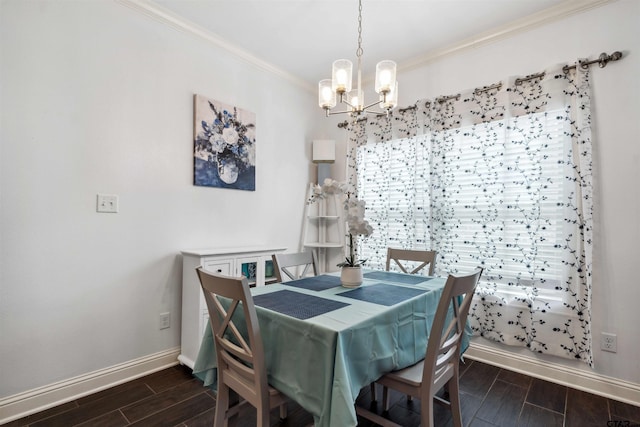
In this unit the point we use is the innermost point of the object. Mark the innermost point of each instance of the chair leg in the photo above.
(426, 409)
(283, 411)
(385, 398)
(222, 406)
(454, 398)
(263, 416)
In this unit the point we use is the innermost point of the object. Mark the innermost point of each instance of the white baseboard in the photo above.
(590, 382)
(41, 398)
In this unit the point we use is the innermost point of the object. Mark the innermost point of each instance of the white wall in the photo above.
(97, 98)
(616, 95)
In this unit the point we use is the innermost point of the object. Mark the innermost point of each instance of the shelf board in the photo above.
(323, 245)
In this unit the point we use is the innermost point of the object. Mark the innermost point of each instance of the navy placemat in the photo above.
(315, 283)
(406, 279)
(382, 294)
(296, 304)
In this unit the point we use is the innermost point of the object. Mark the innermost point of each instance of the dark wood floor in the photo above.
(490, 397)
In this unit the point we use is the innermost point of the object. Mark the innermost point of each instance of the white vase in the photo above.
(228, 170)
(351, 277)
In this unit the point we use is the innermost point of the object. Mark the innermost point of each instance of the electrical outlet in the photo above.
(165, 320)
(107, 203)
(609, 342)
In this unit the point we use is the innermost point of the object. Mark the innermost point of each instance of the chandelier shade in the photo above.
(326, 94)
(385, 76)
(339, 89)
(341, 76)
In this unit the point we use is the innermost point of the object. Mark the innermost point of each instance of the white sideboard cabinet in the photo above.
(252, 262)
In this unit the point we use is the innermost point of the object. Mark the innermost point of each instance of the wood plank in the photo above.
(178, 413)
(534, 416)
(112, 419)
(625, 411)
(503, 404)
(547, 395)
(586, 410)
(167, 378)
(478, 378)
(56, 410)
(113, 391)
(514, 378)
(203, 419)
(161, 401)
(96, 408)
(469, 405)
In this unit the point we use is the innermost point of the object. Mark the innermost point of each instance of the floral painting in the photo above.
(224, 145)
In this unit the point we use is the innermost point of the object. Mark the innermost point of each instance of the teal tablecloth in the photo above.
(323, 362)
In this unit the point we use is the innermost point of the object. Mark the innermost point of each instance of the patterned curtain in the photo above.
(499, 177)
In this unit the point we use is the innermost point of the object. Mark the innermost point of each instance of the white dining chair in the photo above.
(397, 256)
(240, 361)
(440, 367)
(293, 266)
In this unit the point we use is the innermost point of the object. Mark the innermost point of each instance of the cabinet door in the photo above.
(219, 266)
(215, 266)
(252, 268)
(269, 272)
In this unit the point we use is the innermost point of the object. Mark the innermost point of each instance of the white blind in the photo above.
(490, 194)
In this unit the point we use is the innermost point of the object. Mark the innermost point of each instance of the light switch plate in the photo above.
(107, 203)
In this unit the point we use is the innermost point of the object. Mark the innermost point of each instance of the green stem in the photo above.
(351, 250)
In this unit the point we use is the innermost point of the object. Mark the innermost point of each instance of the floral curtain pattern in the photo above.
(499, 178)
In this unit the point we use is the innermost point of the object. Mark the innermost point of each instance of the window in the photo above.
(491, 196)
(500, 177)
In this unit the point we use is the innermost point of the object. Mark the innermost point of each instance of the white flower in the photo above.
(230, 135)
(330, 187)
(218, 143)
(355, 218)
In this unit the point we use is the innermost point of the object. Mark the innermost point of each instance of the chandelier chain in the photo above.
(359, 50)
(341, 84)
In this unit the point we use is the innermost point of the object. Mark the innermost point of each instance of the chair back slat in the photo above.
(227, 323)
(443, 348)
(288, 266)
(400, 255)
(240, 360)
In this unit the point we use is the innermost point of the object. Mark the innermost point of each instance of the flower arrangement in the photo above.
(226, 140)
(354, 212)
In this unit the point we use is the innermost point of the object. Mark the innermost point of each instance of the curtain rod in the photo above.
(602, 62)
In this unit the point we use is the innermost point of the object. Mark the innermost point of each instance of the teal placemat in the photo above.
(389, 276)
(296, 304)
(383, 294)
(315, 283)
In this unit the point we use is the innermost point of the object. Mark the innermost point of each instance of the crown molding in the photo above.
(555, 13)
(173, 20)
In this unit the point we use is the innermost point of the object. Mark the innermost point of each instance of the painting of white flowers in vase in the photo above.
(224, 145)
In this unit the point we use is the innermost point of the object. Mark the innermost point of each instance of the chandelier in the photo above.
(338, 87)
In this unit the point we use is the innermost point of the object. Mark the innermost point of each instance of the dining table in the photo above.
(324, 342)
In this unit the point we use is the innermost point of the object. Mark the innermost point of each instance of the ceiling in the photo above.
(303, 37)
